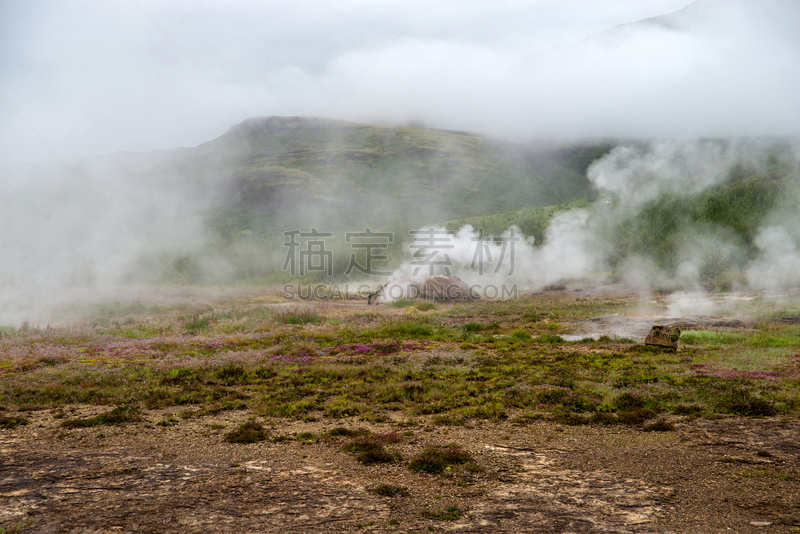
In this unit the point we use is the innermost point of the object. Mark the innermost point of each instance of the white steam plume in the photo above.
(566, 253)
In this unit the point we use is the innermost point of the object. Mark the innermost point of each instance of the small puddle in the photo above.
(636, 327)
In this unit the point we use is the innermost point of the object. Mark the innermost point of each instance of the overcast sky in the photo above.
(96, 76)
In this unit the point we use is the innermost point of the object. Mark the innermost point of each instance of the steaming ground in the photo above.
(42, 306)
(114, 228)
(632, 178)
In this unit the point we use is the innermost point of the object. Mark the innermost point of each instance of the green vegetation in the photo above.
(298, 317)
(734, 210)
(248, 432)
(344, 432)
(436, 459)
(15, 528)
(421, 305)
(390, 490)
(119, 415)
(550, 338)
(450, 366)
(13, 422)
(371, 450)
(448, 513)
(659, 426)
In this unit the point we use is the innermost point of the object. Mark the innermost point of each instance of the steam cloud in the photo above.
(566, 253)
(580, 243)
(78, 84)
(53, 254)
(78, 231)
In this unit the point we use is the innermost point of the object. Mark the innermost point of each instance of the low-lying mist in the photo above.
(677, 215)
(699, 214)
(83, 228)
(682, 216)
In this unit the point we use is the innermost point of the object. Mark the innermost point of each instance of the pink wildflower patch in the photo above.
(302, 356)
(377, 348)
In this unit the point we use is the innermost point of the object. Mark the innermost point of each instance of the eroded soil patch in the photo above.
(708, 476)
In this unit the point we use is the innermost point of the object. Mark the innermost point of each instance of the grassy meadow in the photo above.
(447, 364)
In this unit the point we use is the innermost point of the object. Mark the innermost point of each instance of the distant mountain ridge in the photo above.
(714, 15)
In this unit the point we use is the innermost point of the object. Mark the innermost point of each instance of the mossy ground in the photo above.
(452, 362)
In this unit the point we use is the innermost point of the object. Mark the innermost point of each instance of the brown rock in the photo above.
(664, 336)
(792, 319)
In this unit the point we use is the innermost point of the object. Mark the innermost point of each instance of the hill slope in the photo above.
(219, 210)
(293, 171)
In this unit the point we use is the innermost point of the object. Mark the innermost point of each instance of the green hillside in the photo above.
(300, 172)
(269, 175)
(532, 221)
(752, 195)
(292, 173)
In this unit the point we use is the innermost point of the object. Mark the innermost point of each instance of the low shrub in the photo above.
(688, 409)
(344, 407)
(197, 323)
(661, 425)
(13, 422)
(306, 437)
(630, 400)
(435, 459)
(522, 335)
(422, 305)
(388, 490)
(448, 513)
(248, 432)
(635, 416)
(299, 317)
(369, 450)
(344, 432)
(527, 418)
(447, 419)
(604, 418)
(119, 415)
(568, 417)
(742, 402)
(550, 338)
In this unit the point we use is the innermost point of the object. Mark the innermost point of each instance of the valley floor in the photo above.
(244, 413)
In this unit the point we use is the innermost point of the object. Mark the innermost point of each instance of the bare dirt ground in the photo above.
(729, 475)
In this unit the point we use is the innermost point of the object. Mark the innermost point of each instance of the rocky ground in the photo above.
(727, 475)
